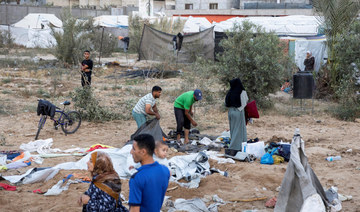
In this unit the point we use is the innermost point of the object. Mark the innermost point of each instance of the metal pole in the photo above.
(102, 35)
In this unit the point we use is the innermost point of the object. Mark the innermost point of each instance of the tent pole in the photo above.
(102, 35)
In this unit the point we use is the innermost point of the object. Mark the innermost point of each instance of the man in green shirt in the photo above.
(183, 112)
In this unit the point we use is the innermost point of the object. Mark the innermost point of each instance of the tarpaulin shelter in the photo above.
(300, 189)
(196, 24)
(34, 30)
(154, 45)
(39, 21)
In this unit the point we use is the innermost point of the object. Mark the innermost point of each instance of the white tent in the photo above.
(35, 20)
(196, 24)
(117, 21)
(296, 25)
(316, 47)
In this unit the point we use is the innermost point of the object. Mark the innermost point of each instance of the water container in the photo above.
(303, 82)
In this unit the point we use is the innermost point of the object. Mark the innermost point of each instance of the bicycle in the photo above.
(69, 121)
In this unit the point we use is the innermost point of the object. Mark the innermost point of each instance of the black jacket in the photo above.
(46, 108)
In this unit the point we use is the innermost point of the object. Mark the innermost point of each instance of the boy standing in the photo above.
(86, 69)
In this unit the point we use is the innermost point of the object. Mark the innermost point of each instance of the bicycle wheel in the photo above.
(40, 125)
(70, 122)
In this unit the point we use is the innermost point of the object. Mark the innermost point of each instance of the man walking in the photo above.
(183, 112)
(146, 106)
(147, 186)
(86, 69)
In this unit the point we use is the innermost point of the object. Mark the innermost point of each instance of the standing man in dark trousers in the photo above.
(86, 69)
(183, 112)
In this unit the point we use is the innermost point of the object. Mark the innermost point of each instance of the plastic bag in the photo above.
(267, 158)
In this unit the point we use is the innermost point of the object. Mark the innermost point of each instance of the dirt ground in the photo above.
(323, 136)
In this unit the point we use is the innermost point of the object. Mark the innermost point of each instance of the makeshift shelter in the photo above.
(155, 45)
(196, 24)
(39, 21)
(116, 25)
(34, 30)
(300, 189)
(294, 25)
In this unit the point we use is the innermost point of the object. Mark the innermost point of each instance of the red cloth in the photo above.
(8, 187)
(251, 110)
(96, 147)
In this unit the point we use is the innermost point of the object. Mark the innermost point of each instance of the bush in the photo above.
(78, 36)
(90, 109)
(257, 58)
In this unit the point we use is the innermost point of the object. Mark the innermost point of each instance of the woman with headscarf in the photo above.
(236, 100)
(104, 191)
(309, 61)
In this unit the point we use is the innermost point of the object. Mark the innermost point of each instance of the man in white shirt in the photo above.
(146, 106)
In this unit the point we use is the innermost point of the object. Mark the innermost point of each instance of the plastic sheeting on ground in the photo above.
(197, 205)
(40, 146)
(300, 188)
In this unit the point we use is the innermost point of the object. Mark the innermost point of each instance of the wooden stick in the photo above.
(248, 200)
(171, 189)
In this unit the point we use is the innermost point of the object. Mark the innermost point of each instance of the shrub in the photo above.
(90, 109)
(78, 36)
(257, 58)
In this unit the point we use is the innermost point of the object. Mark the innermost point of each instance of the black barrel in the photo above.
(303, 82)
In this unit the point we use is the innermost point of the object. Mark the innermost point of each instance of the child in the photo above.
(161, 149)
(104, 191)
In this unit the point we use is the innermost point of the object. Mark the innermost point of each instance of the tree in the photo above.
(256, 57)
(336, 16)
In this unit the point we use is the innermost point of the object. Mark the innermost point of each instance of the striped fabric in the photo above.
(140, 106)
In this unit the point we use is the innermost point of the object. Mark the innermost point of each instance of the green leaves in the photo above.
(256, 57)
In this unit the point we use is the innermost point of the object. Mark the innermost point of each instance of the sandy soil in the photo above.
(322, 134)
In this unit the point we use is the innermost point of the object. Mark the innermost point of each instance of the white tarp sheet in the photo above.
(317, 48)
(31, 38)
(34, 21)
(196, 24)
(297, 25)
(117, 21)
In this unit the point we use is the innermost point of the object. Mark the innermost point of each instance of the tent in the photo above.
(35, 20)
(293, 25)
(196, 24)
(300, 189)
(117, 21)
(155, 45)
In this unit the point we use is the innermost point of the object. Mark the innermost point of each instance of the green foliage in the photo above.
(136, 26)
(257, 58)
(78, 36)
(90, 109)
(336, 17)
(6, 39)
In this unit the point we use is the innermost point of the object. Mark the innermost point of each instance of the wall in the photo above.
(10, 14)
(203, 4)
(64, 3)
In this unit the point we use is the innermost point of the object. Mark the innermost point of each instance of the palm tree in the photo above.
(336, 17)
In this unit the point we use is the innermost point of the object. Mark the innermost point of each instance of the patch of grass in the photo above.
(6, 80)
(116, 87)
(21, 85)
(105, 88)
(26, 93)
(30, 108)
(134, 81)
(42, 93)
(6, 92)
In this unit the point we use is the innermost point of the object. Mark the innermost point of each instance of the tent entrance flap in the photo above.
(156, 45)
